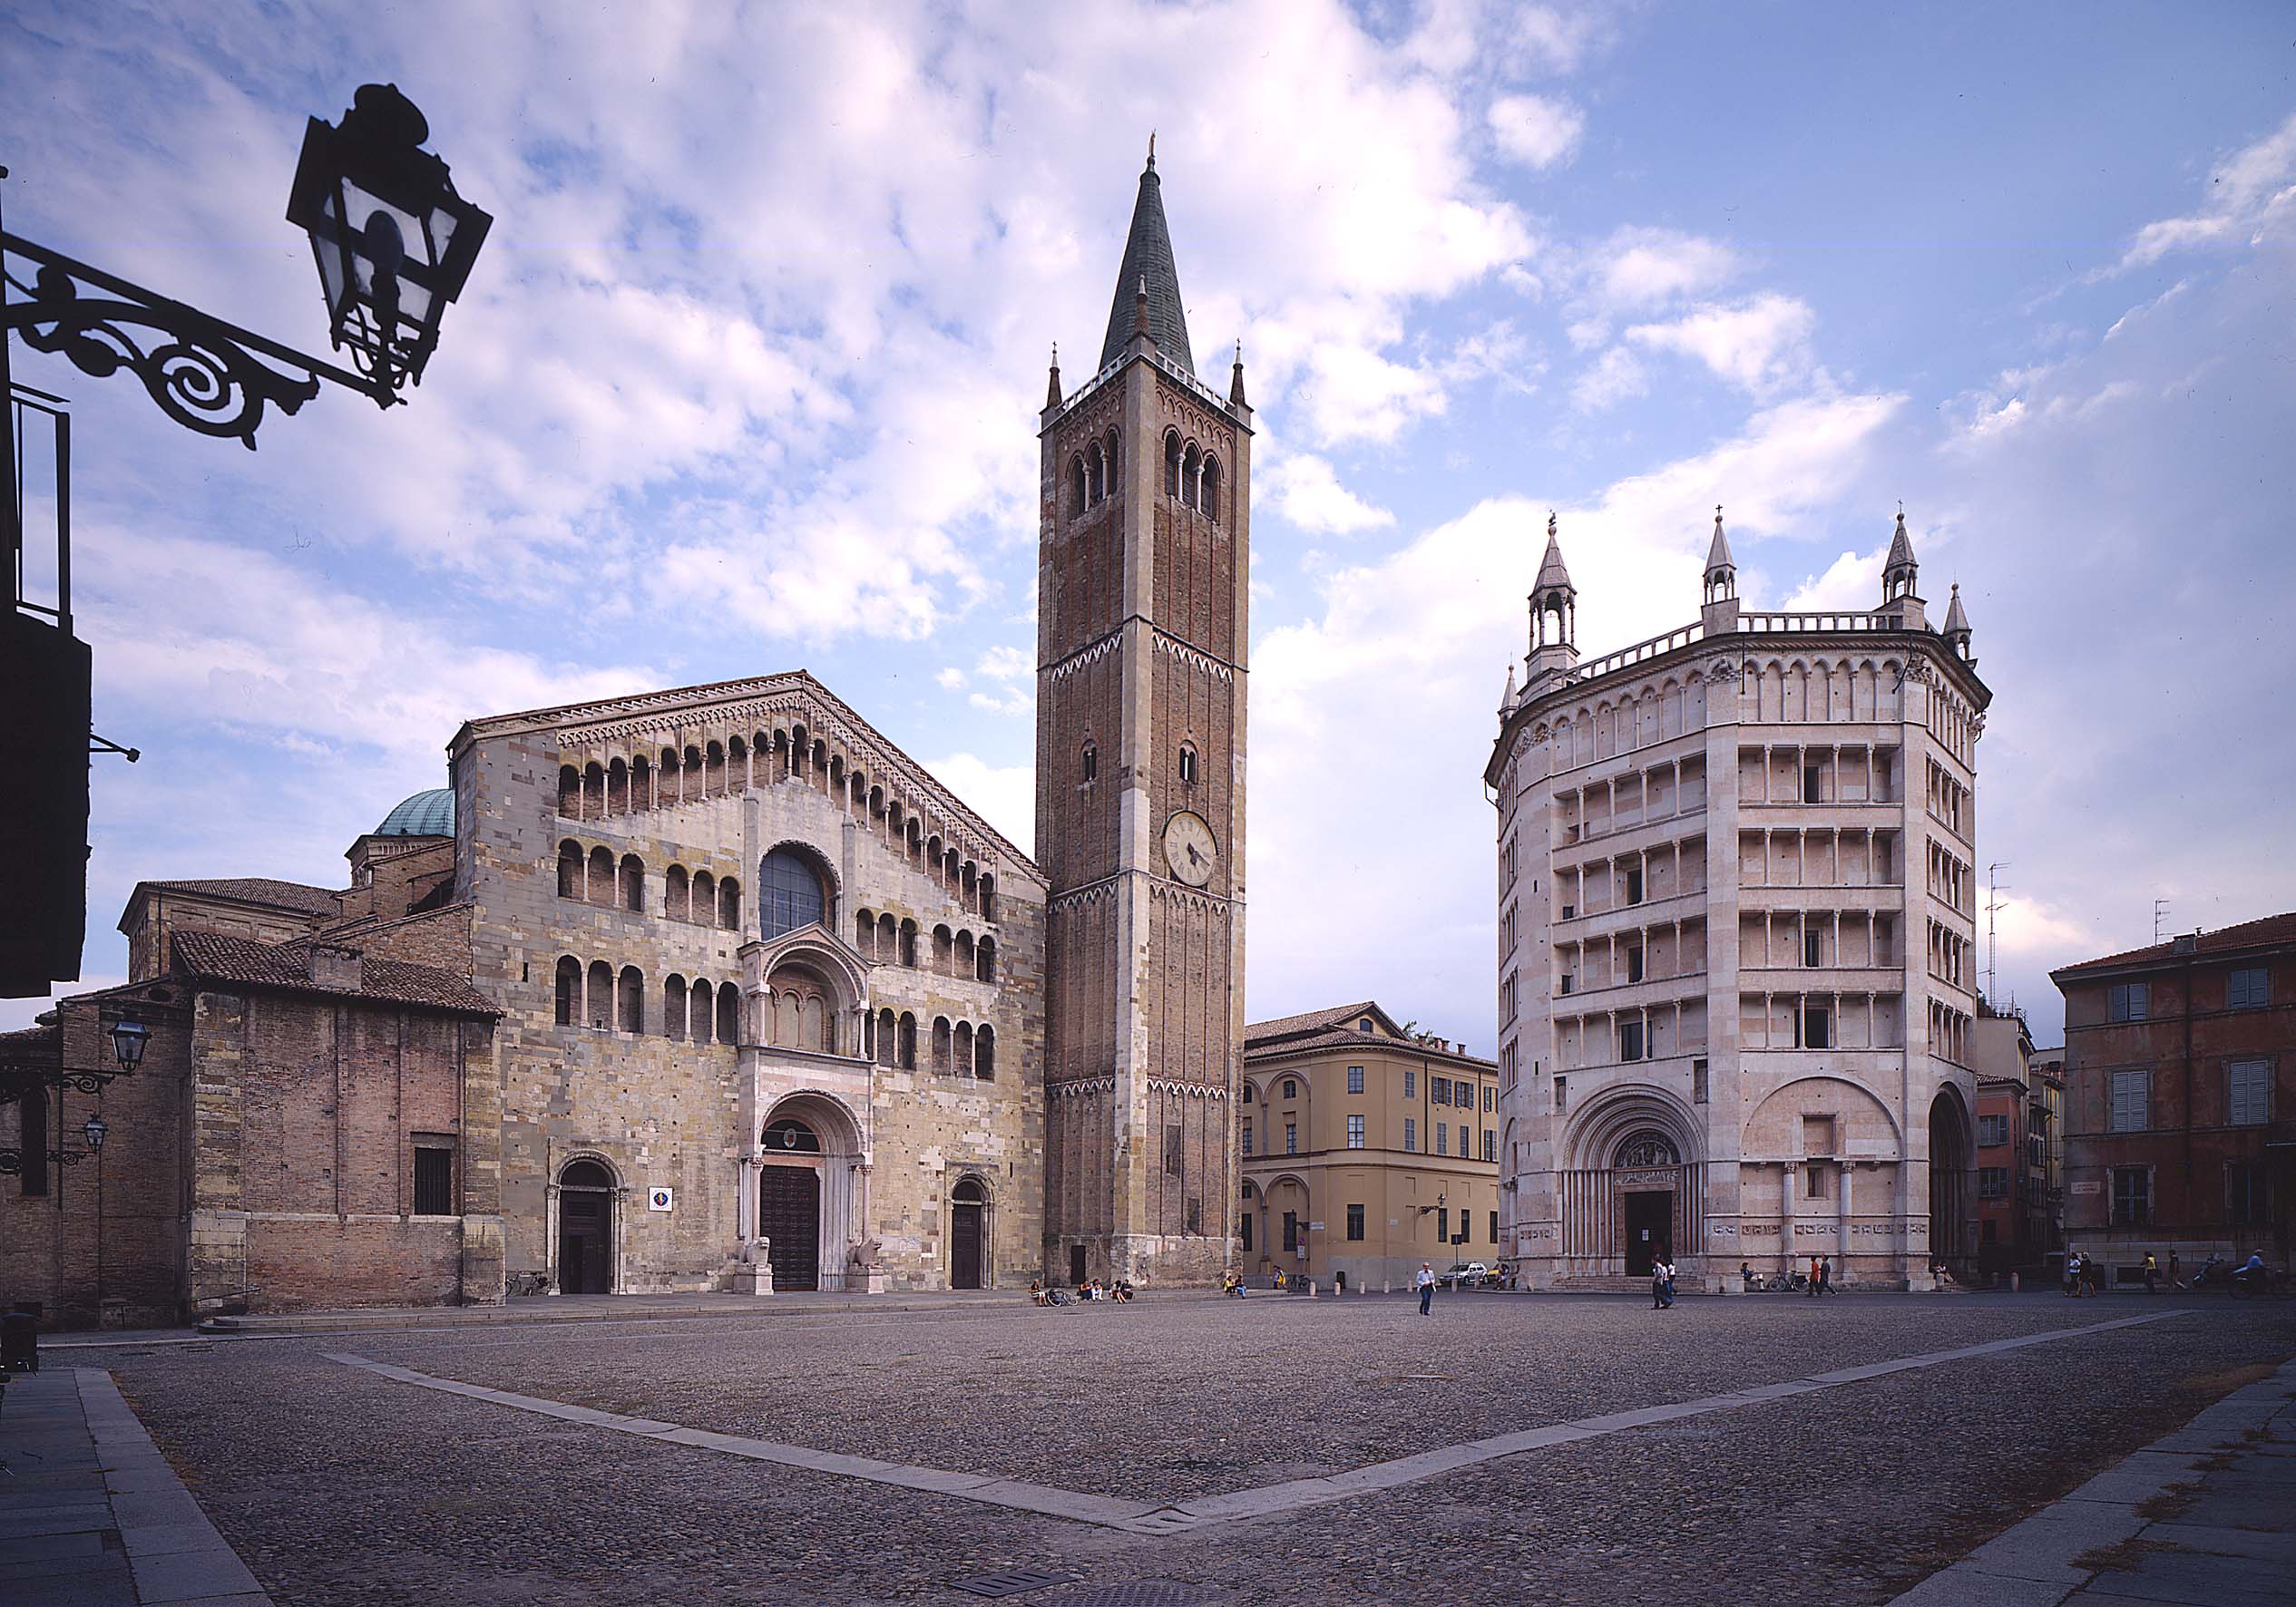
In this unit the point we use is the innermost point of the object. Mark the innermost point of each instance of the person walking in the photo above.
(1426, 1283)
(2152, 1274)
(1662, 1285)
(2176, 1271)
(2072, 1273)
(1816, 1269)
(1825, 1275)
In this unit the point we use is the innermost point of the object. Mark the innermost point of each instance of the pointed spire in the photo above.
(1901, 547)
(1149, 265)
(1235, 381)
(1957, 623)
(1507, 698)
(1553, 574)
(1718, 550)
(1052, 385)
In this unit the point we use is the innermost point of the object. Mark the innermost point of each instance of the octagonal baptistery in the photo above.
(1736, 939)
(774, 999)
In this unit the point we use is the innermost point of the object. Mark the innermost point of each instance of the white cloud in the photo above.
(1853, 580)
(1004, 795)
(1640, 267)
(1535, 130)
(1307, 492)
(951, 680)
(1757, 345)
(1616, 376)
(1004, 663)
(2244, 190)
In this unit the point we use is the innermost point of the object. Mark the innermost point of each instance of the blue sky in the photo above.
(746, 381)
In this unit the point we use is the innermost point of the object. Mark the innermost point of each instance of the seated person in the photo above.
(1036, 1292)
(1746, 1275)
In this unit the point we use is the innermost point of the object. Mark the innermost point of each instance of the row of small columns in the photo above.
(1575, 831)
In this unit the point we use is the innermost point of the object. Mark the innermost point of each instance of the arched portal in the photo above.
(586, 1192)
(969, 1234)
(1631, 1188)
(810, 1177)
(1951, 1156)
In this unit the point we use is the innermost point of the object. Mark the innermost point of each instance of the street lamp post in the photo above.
(393, 244)
(129, 1038)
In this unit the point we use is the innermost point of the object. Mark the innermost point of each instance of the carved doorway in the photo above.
(789, 1214)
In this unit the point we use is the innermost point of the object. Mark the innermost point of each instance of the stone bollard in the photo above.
(1311, 1288)
(1388, 1287)
(2013, 1284)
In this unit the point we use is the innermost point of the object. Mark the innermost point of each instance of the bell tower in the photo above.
(1143, 570)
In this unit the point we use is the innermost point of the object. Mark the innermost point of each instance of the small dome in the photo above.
(426, 814)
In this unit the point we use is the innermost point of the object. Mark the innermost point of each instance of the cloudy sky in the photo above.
(746, 378)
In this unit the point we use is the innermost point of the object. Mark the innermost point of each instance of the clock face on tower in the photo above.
(1188, 848)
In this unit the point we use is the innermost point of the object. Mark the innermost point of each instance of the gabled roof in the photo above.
(1147, 260)
(1337, 1029)
(213, 957)
(300, 897)
(649, 708)
(1318, 1021)
(2272, 931)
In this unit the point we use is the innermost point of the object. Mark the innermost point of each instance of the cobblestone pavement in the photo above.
(339, 1486)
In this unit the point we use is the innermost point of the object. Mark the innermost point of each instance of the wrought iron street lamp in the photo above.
(129, 1038)
(393, 243)
(94, 1131)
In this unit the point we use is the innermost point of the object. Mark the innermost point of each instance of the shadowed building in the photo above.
(1736, 939)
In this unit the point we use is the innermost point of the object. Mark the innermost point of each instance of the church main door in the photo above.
(585, 1229)
(968, 1264)
(1649, 1221)
(789, 1214)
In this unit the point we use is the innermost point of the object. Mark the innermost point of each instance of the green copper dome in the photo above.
(426, 814)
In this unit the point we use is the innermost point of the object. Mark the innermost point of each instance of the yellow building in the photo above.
(1367, 1150)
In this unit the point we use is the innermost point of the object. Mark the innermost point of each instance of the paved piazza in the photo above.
(340, 1482)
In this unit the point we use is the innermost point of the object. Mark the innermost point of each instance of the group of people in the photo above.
(1662, 1281)
(1091, 1288)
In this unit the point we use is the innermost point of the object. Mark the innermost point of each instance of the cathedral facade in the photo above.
(716, 988)
(1736, 929)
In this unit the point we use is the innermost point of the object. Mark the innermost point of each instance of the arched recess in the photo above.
(972, 1264)
(795, 887)
(585, 1226)
(808, 992)
(1630, 1184)
(810, 1191)
(1286, 1194)
(1952, 1162)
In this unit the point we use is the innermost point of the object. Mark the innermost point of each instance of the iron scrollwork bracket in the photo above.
(12, 1160)
(207, 375)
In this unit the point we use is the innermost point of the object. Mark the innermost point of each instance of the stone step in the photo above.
(1585, 1283)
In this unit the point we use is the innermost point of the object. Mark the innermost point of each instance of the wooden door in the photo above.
(964, 1248)
(789, 1214)
(584, 1263)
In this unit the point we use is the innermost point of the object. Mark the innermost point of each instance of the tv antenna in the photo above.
(2159, 917)
(1994, 888)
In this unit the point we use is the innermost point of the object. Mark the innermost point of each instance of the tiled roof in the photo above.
(260, 890)
(2248, 934)
(1348, 1038)
(213, 957)
(1314, 1020)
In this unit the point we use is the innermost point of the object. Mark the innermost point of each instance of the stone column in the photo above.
(1785, 1214)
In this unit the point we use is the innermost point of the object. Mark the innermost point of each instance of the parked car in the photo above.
(1466, 1275)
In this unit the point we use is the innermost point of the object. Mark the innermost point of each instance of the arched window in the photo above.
(888, 939)
(617, 788)
(601, 876)
(1090, 764)
(1079, 491)
(570, 870)
(705, 906)
(633, 882)
(790, 893)
(1191, 464)
(728, 1013)
(1187, 764)
(630, 995)
(586, 1175)
(940, 1037)
(1111, 462)
(1096, 472)
(984, 1053)
(641, 783)
(944, 945)
(673, 1006)
(988, 898)
(599, 1005)
(1208, 495)
(593, 790)
(907, 1038)
(888, 1038)
(570, 991)
(730, 904)
(570, 791)
(865, 933)
(964, 957)
(984, 960)
(961, 1051)
(1172, 464)
(32, 1139)
(675, 895)
(909, 943)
